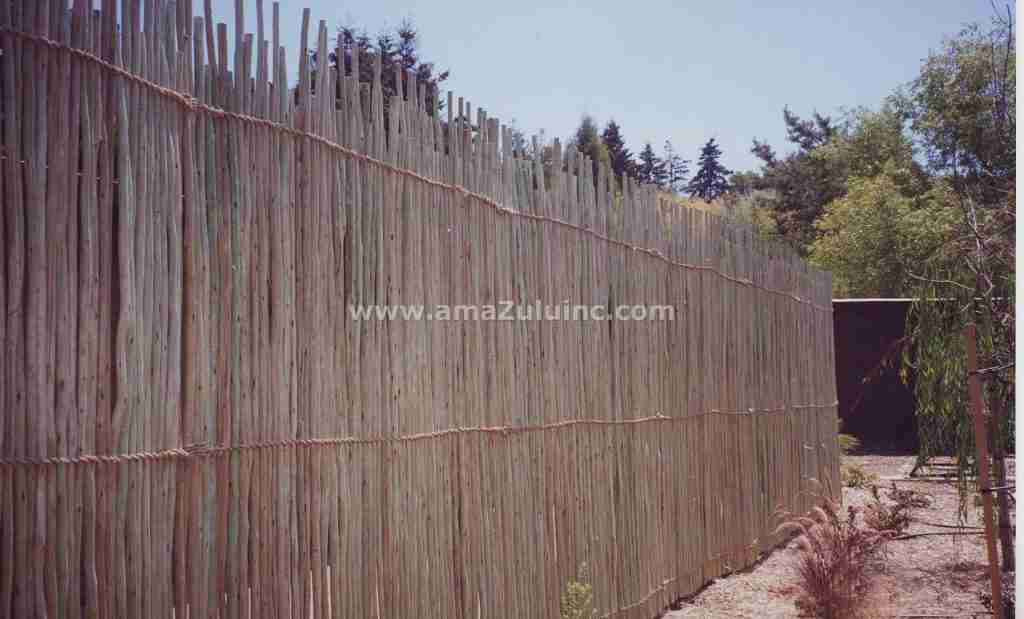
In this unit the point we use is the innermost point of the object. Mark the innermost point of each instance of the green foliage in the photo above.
(744, 183)
(620, 157)
(872, 238)
(937, 360)
(808, 134)
(869, 143)
(588, 141)
(847, 442)
(854, 476)
(963, 106)
(800, 184)
(397, 48)
(711, 179)
(864, 145)
(676, 169)
(651, 168)
(578, 597)
(747, 205)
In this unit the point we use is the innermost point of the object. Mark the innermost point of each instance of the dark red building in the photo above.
(874, 403)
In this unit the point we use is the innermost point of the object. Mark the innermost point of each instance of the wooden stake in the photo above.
(984, 485)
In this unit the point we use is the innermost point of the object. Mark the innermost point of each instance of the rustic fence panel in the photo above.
(195, 425)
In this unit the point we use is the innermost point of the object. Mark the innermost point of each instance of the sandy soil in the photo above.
(931, 576)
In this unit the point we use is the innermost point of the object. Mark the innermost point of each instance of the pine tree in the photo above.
(588, 142)
(621, 159)
(651, 168)
(676, 168)
(710, 180)
(586, 133)
(395, 48)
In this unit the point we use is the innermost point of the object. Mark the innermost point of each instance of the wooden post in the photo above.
(981, 444)
(1003, 505)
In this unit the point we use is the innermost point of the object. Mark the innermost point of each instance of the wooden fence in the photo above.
(194, 425)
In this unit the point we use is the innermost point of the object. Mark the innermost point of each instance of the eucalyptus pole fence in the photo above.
(195, 424)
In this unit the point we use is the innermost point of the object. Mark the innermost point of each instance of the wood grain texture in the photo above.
(173, 276)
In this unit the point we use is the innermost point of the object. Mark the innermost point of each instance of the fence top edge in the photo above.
(193, 105)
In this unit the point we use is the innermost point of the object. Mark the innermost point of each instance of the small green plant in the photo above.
(578, 597)
(848, 443)
(854, 476)
(835, 557)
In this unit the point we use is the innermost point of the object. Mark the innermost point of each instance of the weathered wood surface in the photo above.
(175, 277)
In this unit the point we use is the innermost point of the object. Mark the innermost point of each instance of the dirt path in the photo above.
(932, 576)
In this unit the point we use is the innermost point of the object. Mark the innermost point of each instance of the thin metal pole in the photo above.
(981, 444)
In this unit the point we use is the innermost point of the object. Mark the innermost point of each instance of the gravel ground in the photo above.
(932, 576)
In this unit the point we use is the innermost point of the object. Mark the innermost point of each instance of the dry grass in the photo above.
(694, 203)
(835, 557)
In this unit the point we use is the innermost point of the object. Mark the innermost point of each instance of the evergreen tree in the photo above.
(710, 180)
(676, 169)
(621, 159)
(808, 134)
(398, 48)
(588, 142)
(586, 134)
(651, 168)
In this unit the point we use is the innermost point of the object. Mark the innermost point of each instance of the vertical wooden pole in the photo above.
(1003, 506)
(981, 444)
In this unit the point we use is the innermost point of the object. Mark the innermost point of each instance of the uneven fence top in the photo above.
(194, 423)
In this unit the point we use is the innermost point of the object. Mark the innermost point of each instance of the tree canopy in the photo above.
(396, 48)
(588, 141)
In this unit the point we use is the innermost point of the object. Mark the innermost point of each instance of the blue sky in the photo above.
(686, 71)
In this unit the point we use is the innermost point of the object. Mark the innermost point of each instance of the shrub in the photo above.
(889, 519)
(911, 498)
(578, 597)
(854, 476)
(835, 554)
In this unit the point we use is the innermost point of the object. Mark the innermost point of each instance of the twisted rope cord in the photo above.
(204, 451)
(193, 104)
